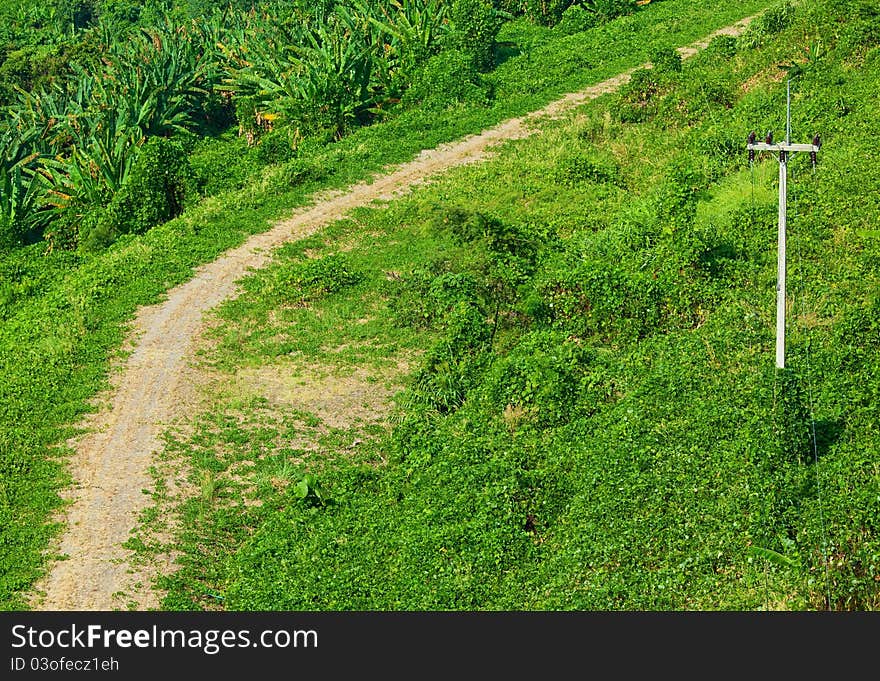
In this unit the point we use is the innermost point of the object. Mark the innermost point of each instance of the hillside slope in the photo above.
(595, 421)
(65, 309)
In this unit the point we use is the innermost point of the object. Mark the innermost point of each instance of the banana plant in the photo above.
(335, 71)
(260, 61)
(81, 141)
(159, 77)
(317, 73)
(23, 182)
(410, 30)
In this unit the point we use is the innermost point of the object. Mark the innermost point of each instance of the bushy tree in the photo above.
(156, 191)
(446, 79)
(475, 23)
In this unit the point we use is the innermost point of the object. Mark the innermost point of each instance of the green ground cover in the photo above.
(594, 421)
(64, 311)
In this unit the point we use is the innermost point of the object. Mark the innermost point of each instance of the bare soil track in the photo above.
(110, 466)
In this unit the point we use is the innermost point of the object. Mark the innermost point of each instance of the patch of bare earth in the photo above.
(111, 462)
(338, 400)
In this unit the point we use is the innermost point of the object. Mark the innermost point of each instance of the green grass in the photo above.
(64, 313)
(595, 421)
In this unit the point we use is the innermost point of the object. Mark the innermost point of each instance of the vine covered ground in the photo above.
(578, 332)
(594, 420)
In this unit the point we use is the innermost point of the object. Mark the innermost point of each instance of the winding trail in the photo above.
(111, 463)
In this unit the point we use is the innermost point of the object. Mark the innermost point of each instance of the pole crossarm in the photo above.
(782, 146)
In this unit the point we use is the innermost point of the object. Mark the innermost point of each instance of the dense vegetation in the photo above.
(552, 457)
(595, 422)
(94, 87)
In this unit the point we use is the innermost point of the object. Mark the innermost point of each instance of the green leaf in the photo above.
(773, 556)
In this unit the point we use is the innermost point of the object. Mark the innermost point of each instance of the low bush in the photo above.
(446, 79)
(312, 279)
(474, 26)
(542, 381)
(157, 189)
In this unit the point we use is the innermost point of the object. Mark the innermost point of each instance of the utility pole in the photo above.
(783, 149)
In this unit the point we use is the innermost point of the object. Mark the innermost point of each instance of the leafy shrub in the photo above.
(427, 296)
(600, 299)
(221, 164)
(676, 202)
(576, 19)
(575, 168)
(722, 147)
(446, 79)
(637, 99)
(574, 16)
(666, 60)
(771, 22)
(454, 364)
(156, 190)
(448, 291)
(542, 379)
(501, 256)
(477, 228)
(312, 279)
(121, 12)
(10, 234)
(98, 230)
(475, 23)
(278, 146)
(299, 171)
(723, 46)
(712, 91)
(776, 19)
(32, 67)
(310, 491)
(216, 114)
(545, 12)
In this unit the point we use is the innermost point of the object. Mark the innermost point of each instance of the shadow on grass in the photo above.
(828, 432)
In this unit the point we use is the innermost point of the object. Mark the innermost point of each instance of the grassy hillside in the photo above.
(594, 420)
(64, 302)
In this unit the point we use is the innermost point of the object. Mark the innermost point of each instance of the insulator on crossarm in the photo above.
(769, 138)
(751, 151)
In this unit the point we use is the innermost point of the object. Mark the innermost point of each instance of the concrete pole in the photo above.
(780, 264)
(783, 149)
